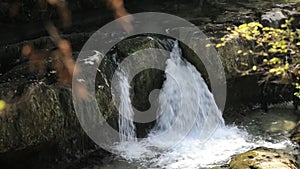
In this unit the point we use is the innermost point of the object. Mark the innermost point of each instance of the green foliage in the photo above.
(274, 52)
(297, 93)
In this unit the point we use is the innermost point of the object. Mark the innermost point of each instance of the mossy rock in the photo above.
(39, 111)
(41, 114)
(263, 158)
(135, 44)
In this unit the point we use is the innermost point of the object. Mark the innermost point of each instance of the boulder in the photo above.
(40, 111)
(277, 16)
(263, 158)
(273, 18)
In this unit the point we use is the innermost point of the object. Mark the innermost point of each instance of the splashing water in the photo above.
(126, 126)
(187, 108)
(189, 132)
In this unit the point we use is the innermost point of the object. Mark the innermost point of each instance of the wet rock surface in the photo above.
(263, 158)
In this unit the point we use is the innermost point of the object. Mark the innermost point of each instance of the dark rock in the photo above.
(11, 54)
(293, 14)
(277, 16)
(40, 111)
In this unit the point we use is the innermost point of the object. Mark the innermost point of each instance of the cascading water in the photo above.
(189, 132)
(186, 105)
(126, 126)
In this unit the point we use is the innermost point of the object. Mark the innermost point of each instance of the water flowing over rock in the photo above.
(185, 101)
(40, 112)
(189, 131)
(53, 109)
(126, 127)
(44, 115)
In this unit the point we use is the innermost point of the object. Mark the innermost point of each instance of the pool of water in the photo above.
(263, 129)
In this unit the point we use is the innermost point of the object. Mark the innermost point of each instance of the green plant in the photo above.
(2, 105)
(273, 52)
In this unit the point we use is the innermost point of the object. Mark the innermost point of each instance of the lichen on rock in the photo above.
(263, 158)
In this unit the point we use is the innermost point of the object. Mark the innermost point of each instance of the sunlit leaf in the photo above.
(2, 105)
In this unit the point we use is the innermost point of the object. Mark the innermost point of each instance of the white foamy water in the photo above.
(126, 126)
(190, 132)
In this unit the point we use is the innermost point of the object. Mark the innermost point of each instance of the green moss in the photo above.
(37, 117)
(129, 46)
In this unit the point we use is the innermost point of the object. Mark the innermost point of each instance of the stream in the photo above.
(190, 131)
(269, 130)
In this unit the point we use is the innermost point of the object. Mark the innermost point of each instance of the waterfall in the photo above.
(126, 114)
(189, 132)
(187, 107)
